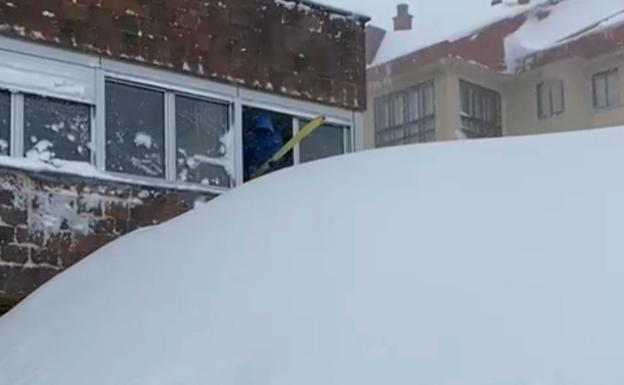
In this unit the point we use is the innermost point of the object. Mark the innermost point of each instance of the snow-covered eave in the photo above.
(540, 58)
(87, 171)
(459, 61)
(319, 5)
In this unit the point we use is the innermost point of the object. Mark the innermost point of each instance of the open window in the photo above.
(259, 144)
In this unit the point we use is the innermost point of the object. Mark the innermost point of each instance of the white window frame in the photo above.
(18, 122)
(297, 117)
(347, 138)
(93, 72)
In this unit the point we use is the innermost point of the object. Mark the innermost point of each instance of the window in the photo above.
(202, 150)
(145, 122)
(406, 117)
(550, 99)
(5, 123)
(135, 130)
(327, 140)
(56, 129)
(606, 89)
(260, 144)
(480, 111)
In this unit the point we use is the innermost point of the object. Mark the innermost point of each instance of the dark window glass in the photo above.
(325, 141)
(202, 141)
(412, 117)
(56, 129)
(135, 130)
(5, 123)
(606, 88)
(480, 111)
(550, 99)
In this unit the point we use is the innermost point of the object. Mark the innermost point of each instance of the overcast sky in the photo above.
(443, 11)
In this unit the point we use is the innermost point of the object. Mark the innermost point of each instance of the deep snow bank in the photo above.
(495, 262)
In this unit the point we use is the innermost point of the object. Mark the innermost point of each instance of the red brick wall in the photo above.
(48, 222)
(273, 45)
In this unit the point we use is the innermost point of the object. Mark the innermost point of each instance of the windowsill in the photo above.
(597, 110)
(550, 117)
(88, 171)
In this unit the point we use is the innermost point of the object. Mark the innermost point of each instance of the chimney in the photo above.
(403, 19)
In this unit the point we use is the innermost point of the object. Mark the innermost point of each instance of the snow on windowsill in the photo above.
(86, 170)
(602, 110)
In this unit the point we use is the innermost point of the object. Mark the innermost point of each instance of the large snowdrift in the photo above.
(496, 262)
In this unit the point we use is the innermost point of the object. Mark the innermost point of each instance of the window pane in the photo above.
(202, 141)
(5, 123)
(414, 110)
(428, 100)
(600, 91)
(613, 88)
(466, 100)
(398, 110)
(482, 116)
(325, 141)
(135, 130)
(385, 110)
(381, 113)
(542, 101)
(556, 93)
(56, 129)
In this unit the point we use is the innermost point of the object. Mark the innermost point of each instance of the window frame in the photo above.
(605, 76)
(385, 103)
(347, 139)
(297, 117)
(10, 128)
(18, 123)
(92, 72)
(551, 87)
(485, 95)
(21, 96)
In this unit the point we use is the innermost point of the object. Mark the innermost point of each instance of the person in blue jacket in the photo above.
(262, 141)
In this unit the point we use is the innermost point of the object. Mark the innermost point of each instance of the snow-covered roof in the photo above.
(326, 5)
(547, 25)
(553, 25)
(465, 263)
(439, 24)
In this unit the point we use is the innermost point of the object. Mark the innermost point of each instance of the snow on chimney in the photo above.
(403, 19)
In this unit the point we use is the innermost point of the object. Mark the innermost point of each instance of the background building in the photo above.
(547, 66)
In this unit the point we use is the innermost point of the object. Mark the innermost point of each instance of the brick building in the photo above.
(544, 66)
(116, 115)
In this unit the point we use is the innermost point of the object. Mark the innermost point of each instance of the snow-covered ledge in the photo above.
(54, 214)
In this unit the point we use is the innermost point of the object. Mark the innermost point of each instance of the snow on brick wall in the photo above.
(48, 222)
(299, 51)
